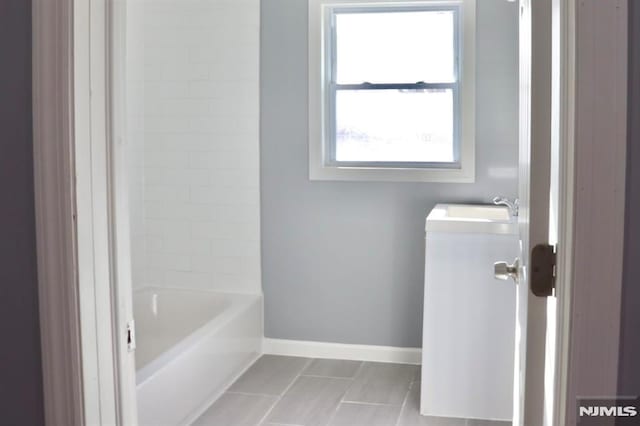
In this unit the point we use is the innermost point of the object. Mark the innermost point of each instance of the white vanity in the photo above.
(469, 316)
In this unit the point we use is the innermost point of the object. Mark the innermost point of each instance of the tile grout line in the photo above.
(406, 399)
(344, 394)
(252, 394)
(375, 404)
(402, 407)
(337, 407)
(279, 398)
(326, 377)
(341, 401)
(360, 367)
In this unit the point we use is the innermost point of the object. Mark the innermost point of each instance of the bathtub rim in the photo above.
(239, 303)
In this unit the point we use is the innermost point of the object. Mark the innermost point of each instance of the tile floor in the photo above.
(288, 391)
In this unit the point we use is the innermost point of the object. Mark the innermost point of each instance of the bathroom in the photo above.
(270, 286)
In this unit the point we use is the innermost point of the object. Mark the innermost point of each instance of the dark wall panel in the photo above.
(21, 400)
(629, 376)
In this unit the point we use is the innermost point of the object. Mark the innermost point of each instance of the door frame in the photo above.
(80, 328)
(84, 376)
(597, 111)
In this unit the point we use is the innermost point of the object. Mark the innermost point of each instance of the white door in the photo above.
(536, 128)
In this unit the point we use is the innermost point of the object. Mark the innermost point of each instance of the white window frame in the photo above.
(321, 163)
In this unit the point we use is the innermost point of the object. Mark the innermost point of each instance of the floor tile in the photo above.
(270, 375)
(237, 410)
(350, 414)
(332, 368)
(311, 401)
(381, 383)
(410, 415)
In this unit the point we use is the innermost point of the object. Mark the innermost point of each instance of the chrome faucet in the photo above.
(514, 206)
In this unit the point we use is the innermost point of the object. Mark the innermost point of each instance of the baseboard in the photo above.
(342, 351)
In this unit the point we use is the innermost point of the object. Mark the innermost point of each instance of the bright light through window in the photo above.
(400, 47)
(394, 86)
(394, 126)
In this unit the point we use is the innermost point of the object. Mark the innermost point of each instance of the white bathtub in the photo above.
(191, 345)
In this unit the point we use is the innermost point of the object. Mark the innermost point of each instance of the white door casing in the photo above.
(82, 373)
(115, 49)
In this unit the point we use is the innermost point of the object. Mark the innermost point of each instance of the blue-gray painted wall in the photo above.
(343, 261)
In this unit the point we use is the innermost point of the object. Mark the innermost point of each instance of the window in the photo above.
(391, 91)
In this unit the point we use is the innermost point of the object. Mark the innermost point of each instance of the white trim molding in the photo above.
(74, 265)
(326, 350)
(567, 65)
(53, 121)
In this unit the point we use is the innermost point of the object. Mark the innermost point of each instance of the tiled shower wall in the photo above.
(193, 110)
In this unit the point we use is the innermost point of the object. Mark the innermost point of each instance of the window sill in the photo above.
(329, 173)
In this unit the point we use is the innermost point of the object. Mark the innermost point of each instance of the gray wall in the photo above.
(629, 375)
(343, 261)
(20, 377)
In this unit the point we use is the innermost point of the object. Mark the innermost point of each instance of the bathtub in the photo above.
(191, 345)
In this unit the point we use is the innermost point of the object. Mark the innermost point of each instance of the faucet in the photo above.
(513, 206)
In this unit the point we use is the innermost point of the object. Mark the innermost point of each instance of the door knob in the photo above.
(504, 271)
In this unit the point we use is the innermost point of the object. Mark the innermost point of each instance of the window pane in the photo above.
(395, 125)
(395, 47)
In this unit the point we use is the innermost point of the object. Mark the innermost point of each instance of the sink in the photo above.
(474, 218)
(473, 212)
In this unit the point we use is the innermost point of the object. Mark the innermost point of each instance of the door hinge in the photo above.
(543, 270)
(131, 336)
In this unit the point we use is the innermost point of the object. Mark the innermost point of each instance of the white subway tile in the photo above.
(233, 284)
(225, 195)
(185, 244)
(154, 55)
(232, 177)
(154, 90)
(161, 124)
(164, 159)
(176, 176)
(247, 231)
(223, 160)
(235, 247)
(166, 193)
(155, 277)
(169, 262)
(242, 267)
(193, 135)
(193, 280)
(179, 108)
(154, 243)
(168, 228)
